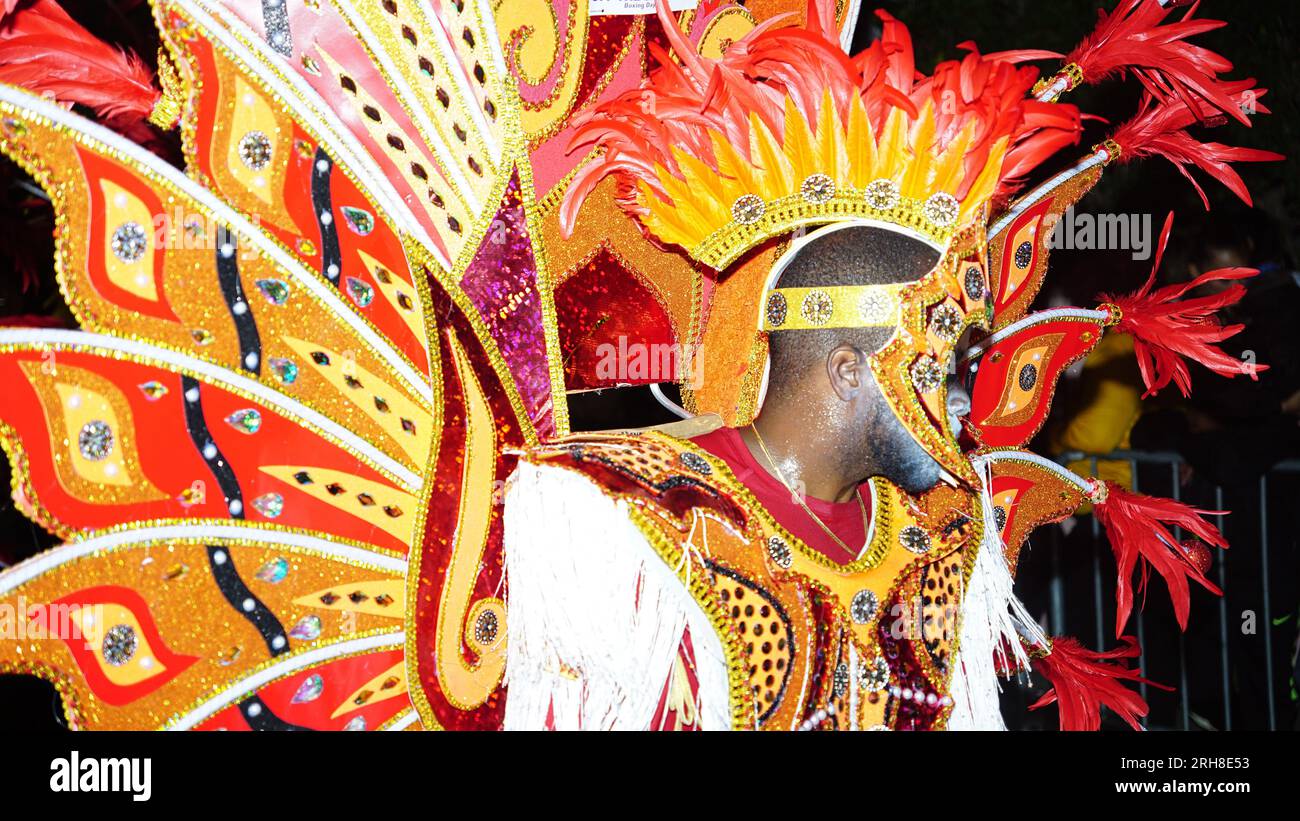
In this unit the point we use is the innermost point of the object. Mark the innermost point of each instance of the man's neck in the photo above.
(796, 446)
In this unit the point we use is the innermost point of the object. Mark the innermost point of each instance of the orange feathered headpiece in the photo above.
(785, 130)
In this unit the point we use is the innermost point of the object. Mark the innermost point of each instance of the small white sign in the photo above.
(597, 7)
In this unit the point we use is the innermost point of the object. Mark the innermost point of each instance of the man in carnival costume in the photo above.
(842, 557)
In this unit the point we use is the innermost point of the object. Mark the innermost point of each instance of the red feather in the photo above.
(689, 97)
(1166, 330)
(1159, 130)
(1132, 38)
(46, 51)
(1138, 529)
(1083, 681)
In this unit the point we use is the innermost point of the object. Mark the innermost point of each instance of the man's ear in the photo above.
(847, 368)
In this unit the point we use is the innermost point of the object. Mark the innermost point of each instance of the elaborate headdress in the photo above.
(784, 130)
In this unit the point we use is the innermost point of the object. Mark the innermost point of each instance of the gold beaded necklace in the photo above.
(798, 497)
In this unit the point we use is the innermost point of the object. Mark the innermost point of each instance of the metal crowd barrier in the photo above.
(1088, 619)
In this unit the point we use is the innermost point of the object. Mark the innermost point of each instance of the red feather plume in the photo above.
(1159, 130)
(44, 50)
(1137, 527)
(1134, 37)
(1167, 330)
(687, 97)
(1084, 680)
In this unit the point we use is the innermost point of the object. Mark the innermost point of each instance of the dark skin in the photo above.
(832, 430)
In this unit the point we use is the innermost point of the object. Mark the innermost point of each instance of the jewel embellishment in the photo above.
(841, 680)
(816, 307)
(914, 539)
(276, 291)
(309, 690)
(285, 370)
(874, 675)
(255, 150)
(875, 307)
(270, 505)
(864, 606)
(974, 283)
(1000, 517)
(129, 242)
(927, 376)
(361, 293)
(941, 209)
(307, 628)
(696, 462)
(945, 322)
(201, 336)
(780, 552)
(356, 725)
(748, 209)
(247, 421)
(1024, 254)
(95, 440)
(359, 220)
(273, 571)
(882, 195)
(486, 627)
(153, 391)
(1028, 376)
(119, 644)
(817, 188)
(777, 308)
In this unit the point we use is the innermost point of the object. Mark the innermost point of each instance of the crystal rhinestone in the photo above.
(356, 725)
(941, 209)
(1000, 517)
(129, 242)
(306, 247)
(255, 150)
(696, 462)
(276, 291)
(748, 209)
(486, 627)
(914, 539)
(780, 552)
(95, 440)
(119, 644)
(270, 505)
(817, 188)
(201, 336)
(882, 195)
(361, 293)
(273, 571)
(863, 607)
(248, 420)
(874, 675)
(927, 376)
(285, 370)
(945, 322)
(875, 307)
(1028, 376)
(841, 680)
(974, 282)
(307, 628)
(309, 690)
(816, 307)
(776, 309)
(359, 220)
(153, 391)
(1024, 254)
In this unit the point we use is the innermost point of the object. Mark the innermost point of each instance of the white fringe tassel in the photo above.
(594, 616)
(992, 620)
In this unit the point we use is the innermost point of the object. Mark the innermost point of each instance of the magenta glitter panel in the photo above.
(502, 284)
